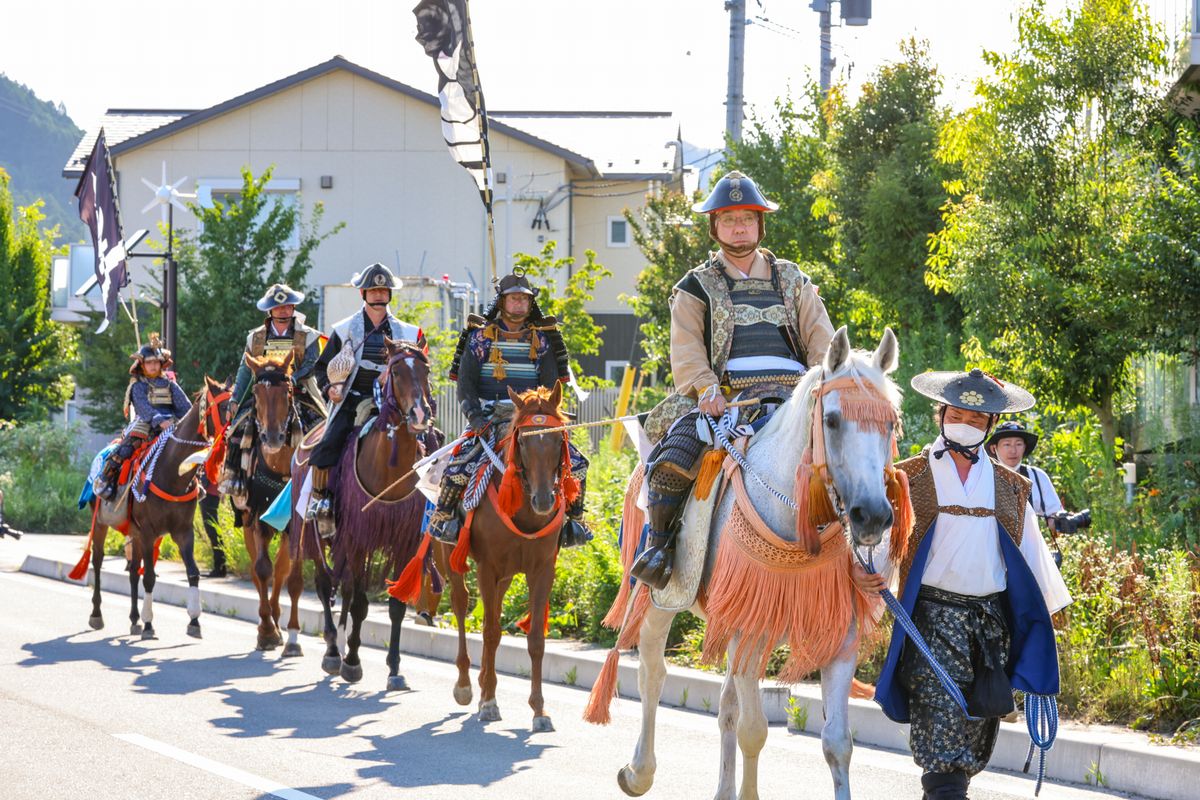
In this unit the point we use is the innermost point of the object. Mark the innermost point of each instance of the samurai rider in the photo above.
(979, 583)
(362, 335)
(282, 332)
(156, 401)
(744, 324)
(513, 346)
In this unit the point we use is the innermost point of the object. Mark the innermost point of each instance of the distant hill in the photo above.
(36, 138)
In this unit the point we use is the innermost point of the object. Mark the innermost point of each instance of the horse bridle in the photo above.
(387, 381)
(274, 377)
(212, 409)
(539, 420)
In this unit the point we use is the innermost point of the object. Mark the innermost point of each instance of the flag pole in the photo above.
(487, 148)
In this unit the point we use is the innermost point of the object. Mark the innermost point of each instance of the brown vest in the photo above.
(1012, 494)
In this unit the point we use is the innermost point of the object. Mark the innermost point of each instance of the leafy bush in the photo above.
(41, 477)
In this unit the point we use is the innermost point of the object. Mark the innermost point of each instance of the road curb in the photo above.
(1122, 760)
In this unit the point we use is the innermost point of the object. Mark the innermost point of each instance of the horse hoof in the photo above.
(489, 711)
(331, 664)
(542, 725)
(425, 618)
(292, 650)
(193, 629)
(462, 695)
(135, 629)
(274, 640)
(625, 781)
(351, 674)
(148, 633)
(264, 644)
(396, 683)
(96, 622)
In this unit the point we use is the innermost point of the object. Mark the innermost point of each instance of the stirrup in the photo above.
(574, 534)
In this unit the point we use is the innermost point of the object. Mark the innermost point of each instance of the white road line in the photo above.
(216, 768)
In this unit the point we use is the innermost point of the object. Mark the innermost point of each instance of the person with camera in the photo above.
(1010, 445)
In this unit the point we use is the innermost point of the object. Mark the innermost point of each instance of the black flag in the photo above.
(444, 30)
(97, 193)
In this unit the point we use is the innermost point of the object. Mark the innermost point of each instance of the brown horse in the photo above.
(269, 469)
(515, 529)
(375, 542)
(167, 506)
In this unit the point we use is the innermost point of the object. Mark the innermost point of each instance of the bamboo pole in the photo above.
(617, 420)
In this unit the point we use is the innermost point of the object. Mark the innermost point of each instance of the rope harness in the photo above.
(144, 476)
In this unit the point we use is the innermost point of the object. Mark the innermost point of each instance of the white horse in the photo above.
(857, 456)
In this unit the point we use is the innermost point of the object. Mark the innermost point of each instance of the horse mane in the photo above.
(796, 413)
(539, 401)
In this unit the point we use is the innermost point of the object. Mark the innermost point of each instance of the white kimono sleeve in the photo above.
(1041, 563)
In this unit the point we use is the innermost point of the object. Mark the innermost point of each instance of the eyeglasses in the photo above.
(744, 220)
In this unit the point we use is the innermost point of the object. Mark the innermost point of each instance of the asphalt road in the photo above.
(100, 714)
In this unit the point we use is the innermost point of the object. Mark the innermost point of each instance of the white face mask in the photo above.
(961, 433)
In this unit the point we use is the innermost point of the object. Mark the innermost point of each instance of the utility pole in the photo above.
(825, 9)
(734, 99)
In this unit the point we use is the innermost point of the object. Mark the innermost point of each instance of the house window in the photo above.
(618, 232)
(615, 370)
(59, 277)
(280, 191)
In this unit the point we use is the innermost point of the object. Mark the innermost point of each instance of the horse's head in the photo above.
(272, 399)
(214, 408)
(406, 383)
(855, 436)
(537, 465)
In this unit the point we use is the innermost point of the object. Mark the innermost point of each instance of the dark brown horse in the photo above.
(167, 505)
(372, 543)
(275, 419)
(515, 529)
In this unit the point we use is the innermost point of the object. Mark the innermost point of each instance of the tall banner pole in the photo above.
(481, 105)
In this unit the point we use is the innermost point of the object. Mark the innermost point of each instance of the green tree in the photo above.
(579, 330)
(244, 244)
(882, 195)
(1036, 241)
(1168, 244)
(36, 353)
(672, 240)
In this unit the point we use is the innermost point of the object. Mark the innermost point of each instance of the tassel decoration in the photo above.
(710, 468)
(407, 586)
(462, 549)
(597, 711)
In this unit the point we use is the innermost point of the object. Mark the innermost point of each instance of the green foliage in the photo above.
(672, 241)
(103, 369)
(441, 341)
(243, 246)
(36, 139)
(41, 477)
(797, 715)
(35, 352)
(1036, 243)
(579, 330)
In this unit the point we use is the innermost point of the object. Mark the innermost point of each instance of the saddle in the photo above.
(115, 513)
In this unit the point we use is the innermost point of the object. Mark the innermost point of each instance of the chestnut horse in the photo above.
(379, 540)
(167, 507)
(275, 420)
(515, 529)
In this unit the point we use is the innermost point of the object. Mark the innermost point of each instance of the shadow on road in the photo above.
(458, 751)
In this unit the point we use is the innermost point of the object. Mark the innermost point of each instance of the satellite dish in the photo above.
(166, 194)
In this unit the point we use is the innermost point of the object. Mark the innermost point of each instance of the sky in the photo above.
(663, 55)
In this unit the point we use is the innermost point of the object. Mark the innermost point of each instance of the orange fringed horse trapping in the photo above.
(807, 601)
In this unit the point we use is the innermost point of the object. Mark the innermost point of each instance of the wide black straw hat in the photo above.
(973, 391)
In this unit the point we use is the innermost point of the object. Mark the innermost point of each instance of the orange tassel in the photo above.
(458, 557)
(632, 520)
(597, 710)
(903, 519)
(570, 484)
(510, 496)
(810, 505)
(80, 568)
(710, 468)
(407, 587)
(527, 622)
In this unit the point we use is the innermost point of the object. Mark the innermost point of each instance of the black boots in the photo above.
(320, 505)
(655, 564)
(574, 531)
(945, 785)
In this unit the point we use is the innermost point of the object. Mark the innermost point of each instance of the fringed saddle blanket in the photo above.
(767, 591)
